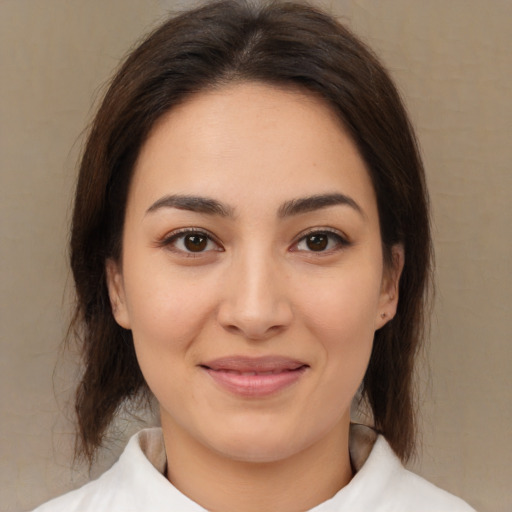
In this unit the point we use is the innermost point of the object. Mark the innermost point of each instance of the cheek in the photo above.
(166, 319)
(167, 311)
(344, 304)
(342, 318)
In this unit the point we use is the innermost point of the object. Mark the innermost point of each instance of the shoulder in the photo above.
(135, 482)
(382, 483)
(411, 489)
(426, 497)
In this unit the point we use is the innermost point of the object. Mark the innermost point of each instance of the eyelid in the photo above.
(343, 239)
(167, 240)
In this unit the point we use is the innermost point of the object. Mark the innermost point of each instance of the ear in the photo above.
(116, 292)
(388, 300)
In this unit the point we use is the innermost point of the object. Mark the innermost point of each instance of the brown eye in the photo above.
(195, 242)
(190, 242)
(317, 241)
(321, 241)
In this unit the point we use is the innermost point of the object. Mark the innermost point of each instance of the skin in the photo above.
(256, 287)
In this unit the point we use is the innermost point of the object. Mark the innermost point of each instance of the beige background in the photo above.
(452, 60)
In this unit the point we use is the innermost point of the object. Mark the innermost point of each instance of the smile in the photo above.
(255, 377)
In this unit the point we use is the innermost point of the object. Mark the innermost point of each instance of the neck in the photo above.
(219, 483)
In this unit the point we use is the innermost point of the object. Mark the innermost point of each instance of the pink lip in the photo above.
(255, 377)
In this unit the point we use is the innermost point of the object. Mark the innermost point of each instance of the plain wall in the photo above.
(452, 62)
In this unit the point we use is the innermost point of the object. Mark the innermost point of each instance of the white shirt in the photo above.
(136, 483)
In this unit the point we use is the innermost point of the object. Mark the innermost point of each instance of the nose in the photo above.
(256, 302)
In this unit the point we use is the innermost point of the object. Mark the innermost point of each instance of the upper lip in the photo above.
(261, 364)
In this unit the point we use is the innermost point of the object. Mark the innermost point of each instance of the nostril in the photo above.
(233, 329)
(255, 316)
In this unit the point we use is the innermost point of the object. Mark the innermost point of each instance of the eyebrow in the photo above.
(290, 208)
(317, 202)
(194, 204)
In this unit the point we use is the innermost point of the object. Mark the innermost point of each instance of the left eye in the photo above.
(320, 241)
(191, 242)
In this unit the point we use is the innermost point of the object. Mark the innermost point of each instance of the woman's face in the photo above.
(252, 271)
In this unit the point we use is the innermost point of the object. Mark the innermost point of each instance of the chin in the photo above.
(258, 443)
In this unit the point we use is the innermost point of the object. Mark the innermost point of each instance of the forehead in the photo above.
(247, 142)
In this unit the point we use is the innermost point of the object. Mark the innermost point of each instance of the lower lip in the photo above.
(259, 385)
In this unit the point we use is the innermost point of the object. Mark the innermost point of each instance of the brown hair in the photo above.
(283, 43)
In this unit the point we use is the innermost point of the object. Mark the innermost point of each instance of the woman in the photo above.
(251, 246)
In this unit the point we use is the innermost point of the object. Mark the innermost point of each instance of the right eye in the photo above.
(321, 241)
(190, 242)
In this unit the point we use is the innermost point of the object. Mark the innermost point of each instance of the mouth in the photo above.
(255, 377)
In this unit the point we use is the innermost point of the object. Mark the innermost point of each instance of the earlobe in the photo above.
(116, 292)
(390, 286)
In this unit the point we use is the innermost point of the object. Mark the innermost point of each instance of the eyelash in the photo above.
(170, 240)
(340, 240)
